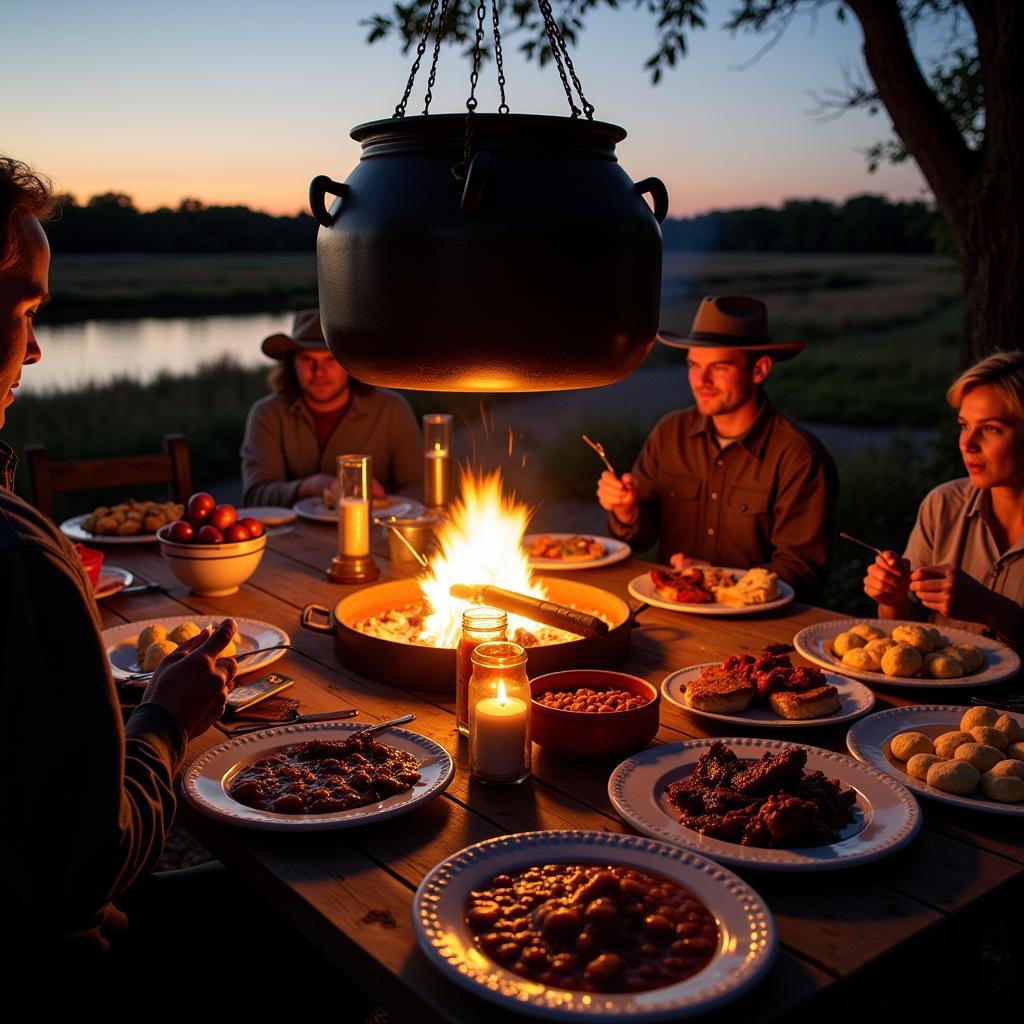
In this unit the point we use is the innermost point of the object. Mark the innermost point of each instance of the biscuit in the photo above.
(845, 642)
(977, 754)
(978, 716)
(869, 633)
(943, 665)
(990, 737)
(918, 637)
(150, 635)
(881, 645)
(1015, 750)
(822, 700)
(905, 745)
(155, 653)
(901, 660)
(918, 765)
(972, 658)
(1007, 789)
(947, 743)
(184, 632)
(1009, 725)
(863, 658)
(1007, 767)
(953, 777)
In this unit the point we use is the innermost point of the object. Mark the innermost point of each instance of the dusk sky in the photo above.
(234, 102)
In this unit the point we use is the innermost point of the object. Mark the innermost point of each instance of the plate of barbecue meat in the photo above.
(710, 590)
(767, 690)
(765, 804)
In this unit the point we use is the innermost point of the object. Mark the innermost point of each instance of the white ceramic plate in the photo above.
(72, 529)
(314, 508)
(124, 660)
(854, 700)
(815, 644)
(886, 815)
(206, 778)
(868, 741)
(269, 515)
(642, 588)
(615, 551)
(112, 581)
(747, 935)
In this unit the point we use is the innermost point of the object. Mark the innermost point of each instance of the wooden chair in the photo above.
(46, 478)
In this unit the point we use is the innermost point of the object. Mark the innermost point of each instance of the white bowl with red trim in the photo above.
(212, 570)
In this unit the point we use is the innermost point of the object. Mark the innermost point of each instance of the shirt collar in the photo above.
(8, 464)
(754, 440)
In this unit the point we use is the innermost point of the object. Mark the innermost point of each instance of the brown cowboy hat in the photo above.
(732, 321)
(306, 334)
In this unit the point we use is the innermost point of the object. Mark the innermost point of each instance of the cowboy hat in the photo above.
(732, 321)
(306, 334)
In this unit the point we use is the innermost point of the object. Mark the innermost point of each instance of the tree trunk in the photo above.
(980, 194)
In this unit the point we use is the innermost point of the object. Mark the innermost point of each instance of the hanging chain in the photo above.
(556, 53)
(462, 169)
(559, 49)
(503, 106)
(433, 64)
(420, 50)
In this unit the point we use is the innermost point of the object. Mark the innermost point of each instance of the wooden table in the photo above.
(844, 935)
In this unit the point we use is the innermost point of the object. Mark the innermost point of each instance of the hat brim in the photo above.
(277, 346)
(779, 350)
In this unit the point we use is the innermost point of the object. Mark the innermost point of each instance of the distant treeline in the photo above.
(110, 223)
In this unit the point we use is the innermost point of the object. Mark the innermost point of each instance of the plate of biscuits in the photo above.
(968, 757)
(906, 654)
(766, 690)
(128, 522)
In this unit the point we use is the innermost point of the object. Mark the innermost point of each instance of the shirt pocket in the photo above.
(680, 488)
(748, 501)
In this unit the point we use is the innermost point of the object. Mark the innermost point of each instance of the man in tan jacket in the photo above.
(730, 482)
(318, 412)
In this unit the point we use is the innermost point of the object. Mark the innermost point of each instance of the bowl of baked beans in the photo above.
(591, 713)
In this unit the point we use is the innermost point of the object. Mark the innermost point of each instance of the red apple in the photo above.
(181, 532)
(237, 532)
(223, 516)
(254, 526)
(210, 535)
(200, 505)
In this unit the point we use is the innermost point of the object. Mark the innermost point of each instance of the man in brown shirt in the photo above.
(731, 482)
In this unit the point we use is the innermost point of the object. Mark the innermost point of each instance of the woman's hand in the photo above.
(948, 590)
(618, 496)
(193, 682)
(888, 579)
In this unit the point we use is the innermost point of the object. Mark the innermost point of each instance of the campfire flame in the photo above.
(480, 544)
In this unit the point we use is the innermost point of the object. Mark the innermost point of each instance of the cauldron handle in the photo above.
(656, 187)
(635, 613)
(319, 188)
(476, 178)
(306, 618)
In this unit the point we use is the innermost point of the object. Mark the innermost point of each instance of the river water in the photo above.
(98, 351)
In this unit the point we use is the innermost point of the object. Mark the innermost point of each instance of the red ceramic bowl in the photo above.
(93, 562)
(588, 735)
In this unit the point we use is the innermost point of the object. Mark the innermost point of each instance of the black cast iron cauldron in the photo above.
(540, 271)
(433, 668)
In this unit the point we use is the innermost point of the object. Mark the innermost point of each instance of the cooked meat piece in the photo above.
(803, 678)
(716, 766)
(780, 819)
(729, 827)
(772, 772)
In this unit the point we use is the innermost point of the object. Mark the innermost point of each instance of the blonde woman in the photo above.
(964, 563)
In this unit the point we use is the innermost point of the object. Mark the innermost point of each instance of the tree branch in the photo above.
(925, 127)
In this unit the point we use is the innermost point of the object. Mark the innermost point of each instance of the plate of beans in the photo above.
(572, 925)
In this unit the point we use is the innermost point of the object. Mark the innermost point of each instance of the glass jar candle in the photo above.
(354, 491)
(479, 625)
(499, 713)
(437, 459)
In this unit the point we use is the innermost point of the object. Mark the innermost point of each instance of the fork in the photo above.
(599, 448)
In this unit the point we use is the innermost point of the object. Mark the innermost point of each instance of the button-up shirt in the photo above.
(954, 528)
(768, 499)
(281, 447)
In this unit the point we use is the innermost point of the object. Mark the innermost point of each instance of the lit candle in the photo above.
(354, 518)
(437, 463)
(498, 735)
